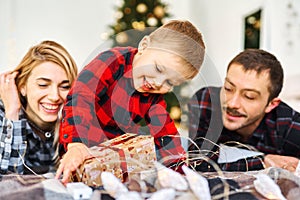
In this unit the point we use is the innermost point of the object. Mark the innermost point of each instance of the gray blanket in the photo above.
(32, 187)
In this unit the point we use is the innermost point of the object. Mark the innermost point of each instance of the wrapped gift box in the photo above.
(123, 156)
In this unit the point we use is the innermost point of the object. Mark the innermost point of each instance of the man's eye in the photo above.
(228, 89)
(249, 97)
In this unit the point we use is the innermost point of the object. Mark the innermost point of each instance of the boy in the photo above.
(123, 86)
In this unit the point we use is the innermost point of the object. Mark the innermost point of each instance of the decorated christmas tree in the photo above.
(135, 19)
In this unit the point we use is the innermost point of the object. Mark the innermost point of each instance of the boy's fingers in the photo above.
(66, 176)
(59, 171)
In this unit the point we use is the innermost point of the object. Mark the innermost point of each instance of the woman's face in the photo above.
(45, 90)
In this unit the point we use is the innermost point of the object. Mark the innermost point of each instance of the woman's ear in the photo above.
(144, 43)
(23, 91)
(272, 104)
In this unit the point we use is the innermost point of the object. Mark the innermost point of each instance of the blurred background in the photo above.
(86, 27)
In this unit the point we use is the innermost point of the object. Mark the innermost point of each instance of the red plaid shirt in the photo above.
(103, 104)
(278, 132)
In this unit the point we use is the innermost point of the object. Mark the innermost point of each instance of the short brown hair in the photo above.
(259, 61)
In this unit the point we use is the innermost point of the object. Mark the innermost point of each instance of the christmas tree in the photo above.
(135, 19)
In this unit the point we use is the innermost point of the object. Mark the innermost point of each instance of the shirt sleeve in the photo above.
(200, 112)
(166, 137)
(79, 115)
(12, 144)
(210, 163)
(291, 139)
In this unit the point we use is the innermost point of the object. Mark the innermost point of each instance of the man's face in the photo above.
(244, 99)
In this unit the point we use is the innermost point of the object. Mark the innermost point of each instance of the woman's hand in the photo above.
(75, 156)
(286, 162)
(10, 95)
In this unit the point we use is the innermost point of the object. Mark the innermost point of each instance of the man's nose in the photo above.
(234, 101)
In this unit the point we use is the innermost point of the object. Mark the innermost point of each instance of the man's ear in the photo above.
(144, 43)
(272, 104)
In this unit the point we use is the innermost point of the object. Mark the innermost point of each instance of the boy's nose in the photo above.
(160, 81)
(158, 84)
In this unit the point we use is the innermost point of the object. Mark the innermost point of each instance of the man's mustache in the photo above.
(233, 112)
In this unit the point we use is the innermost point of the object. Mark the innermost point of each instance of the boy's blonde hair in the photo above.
(182, 38)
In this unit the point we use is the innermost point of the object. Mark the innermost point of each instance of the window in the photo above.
(252, 30)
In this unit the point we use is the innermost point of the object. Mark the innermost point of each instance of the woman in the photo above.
(31, 97)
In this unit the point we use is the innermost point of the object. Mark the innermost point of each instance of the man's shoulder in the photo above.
(283, 115)
(283, 110)
(206, 98)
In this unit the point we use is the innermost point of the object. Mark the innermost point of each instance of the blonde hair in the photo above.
(45, 51)
(182, 38)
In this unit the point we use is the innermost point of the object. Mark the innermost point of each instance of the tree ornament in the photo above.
(138, 25)
(141, 8)
(152, 21)
(159, 11)
(122, 37)
(127, 11)
(118, 15)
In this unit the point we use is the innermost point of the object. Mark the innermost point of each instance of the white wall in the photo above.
(79, 24)
(76, 24)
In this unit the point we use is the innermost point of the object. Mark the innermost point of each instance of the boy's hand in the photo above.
(75, 156)
(286, 162)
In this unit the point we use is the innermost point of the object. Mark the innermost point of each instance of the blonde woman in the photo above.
(31, 97)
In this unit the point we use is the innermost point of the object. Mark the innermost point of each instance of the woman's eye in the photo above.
(42, 85)
(66, 87)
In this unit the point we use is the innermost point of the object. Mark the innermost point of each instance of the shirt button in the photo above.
(65, 135)
(9, 126)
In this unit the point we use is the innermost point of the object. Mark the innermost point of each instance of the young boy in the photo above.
(123, 86)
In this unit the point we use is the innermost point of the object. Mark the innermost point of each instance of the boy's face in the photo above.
(157, 71)
(244, 99)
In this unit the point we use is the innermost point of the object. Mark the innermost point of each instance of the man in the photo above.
(246, 112)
